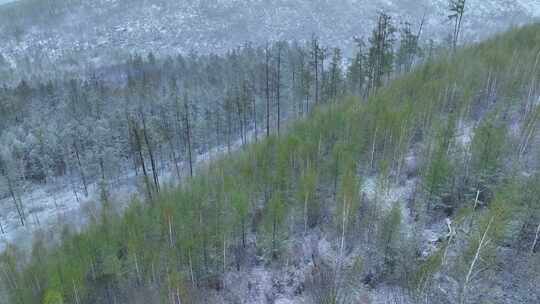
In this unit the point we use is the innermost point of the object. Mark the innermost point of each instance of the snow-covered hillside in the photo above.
(53, 206)
(101, 31)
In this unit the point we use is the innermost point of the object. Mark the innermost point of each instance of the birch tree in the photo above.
(308, 183)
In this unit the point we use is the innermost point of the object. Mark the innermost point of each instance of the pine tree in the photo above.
(381, 52)
(390, 238)
(335, 81)
(276, 215)
(457, 10)
(278, 85)
(408, 49)
(240, 203)
(488, 147)
(315, 64)
(267, 88)
(188, 133)
(356, 71)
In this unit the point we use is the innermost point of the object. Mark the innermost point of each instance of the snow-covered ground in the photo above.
(533, 6)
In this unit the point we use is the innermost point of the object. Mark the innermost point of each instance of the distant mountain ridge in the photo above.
(98, 32)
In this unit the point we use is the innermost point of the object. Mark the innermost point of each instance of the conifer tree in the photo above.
(356, 71)
(335, 81)
(276, 213)
(315, 64)
(457, 10)
(381, 52)
(188, 133)
(488, 147)
(408, 48)
(390, 237)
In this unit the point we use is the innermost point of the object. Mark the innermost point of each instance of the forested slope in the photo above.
(427, 190)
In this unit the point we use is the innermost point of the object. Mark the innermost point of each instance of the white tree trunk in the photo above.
(224, 253)
(476, 199)
(191, 269)
(137, 270)
(481, 245)
(536, 238)
(305, 213)
(170, 232)
(450, 237)
(373, 148)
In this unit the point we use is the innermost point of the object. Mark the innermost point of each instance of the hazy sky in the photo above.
(6, 1)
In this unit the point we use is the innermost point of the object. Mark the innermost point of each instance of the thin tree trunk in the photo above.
(74, 189)
(229, 130)
(134, 162)
(151, 154)
(476, 199)
(307, 104)
(170, 295)
(373, 148)
(224, 253)
(191, 269)
(174, 159)
(243, 232)
(306, 197)
(274, 232)
(533, 247)
(267, 91)
(141, 158)
(323, 79)
(153, 270)
(178, 123)
(188, 136)
(451, 234)
(76, 292)
(178, 299)
(137, 269)
(336, 174)
(458, 29)
(475, 260)
(218, 128)
(529, 130)
(343, 227)
(102, 168)
(243, 115)
(454, 39)
(171, 242)
(316, 61)
(18, 204)
(255, 118)
(278, 93)
(81, 170)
